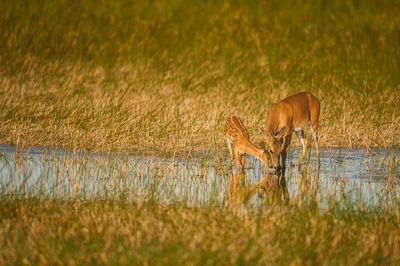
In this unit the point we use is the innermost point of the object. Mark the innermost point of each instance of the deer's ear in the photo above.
(280, 133)
(262, 145)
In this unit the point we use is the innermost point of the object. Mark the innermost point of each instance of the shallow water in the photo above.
(357, 175)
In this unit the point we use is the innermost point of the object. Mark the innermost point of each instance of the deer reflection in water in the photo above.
(272, 188)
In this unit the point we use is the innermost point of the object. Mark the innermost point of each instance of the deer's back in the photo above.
(294, 111)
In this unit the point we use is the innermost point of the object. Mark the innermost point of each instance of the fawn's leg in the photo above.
(230, 153)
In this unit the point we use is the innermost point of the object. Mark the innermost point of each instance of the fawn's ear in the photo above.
(280, 133)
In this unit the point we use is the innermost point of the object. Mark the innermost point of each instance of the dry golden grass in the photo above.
(130, 108)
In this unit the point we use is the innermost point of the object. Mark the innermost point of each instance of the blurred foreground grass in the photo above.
(163, 75)
(95, 232)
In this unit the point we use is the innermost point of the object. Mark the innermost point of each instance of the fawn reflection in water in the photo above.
(271, 188)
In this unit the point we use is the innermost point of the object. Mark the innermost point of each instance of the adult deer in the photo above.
(293, 113)
(239, 143)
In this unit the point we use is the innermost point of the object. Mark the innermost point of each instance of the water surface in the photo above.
(358, 175)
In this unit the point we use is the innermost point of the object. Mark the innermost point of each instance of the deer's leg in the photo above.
(314, 118)
(300, 135)
(286, 144)
(314, 133)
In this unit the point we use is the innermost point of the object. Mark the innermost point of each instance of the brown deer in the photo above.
(293, 113)
(239, 143)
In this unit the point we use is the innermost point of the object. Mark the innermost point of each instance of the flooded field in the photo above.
(357, 175)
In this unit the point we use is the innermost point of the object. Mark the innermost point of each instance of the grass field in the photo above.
(161, 77)
(164, 76)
